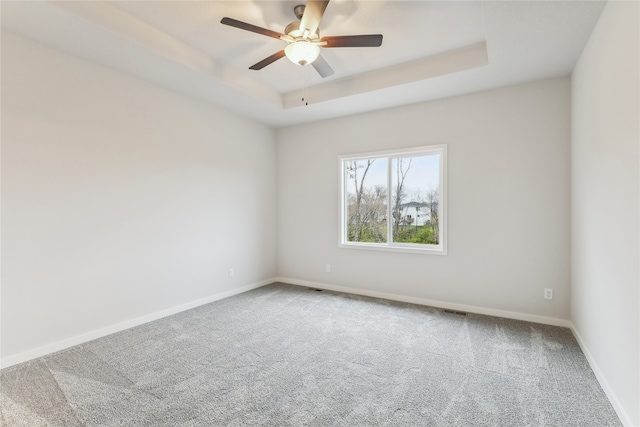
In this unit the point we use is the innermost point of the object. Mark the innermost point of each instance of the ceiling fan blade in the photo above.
(312, 15)
(268, 60)
(322, 67)
(253, 28)
(368, 40)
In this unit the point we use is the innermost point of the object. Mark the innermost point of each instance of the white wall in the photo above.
(605, 204)
(508, 222)
(121, 199)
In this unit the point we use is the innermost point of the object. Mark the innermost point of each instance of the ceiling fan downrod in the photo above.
(299, 11)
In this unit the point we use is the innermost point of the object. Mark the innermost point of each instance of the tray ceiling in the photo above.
(431, 49)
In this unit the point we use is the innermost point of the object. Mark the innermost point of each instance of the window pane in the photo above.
(415, 200)
(366, 200)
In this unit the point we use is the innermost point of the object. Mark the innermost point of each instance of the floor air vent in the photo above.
(314, 289)
(459, 313)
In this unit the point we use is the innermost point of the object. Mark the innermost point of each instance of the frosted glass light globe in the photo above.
(302, 52)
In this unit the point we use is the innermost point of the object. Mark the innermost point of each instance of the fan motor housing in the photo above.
(293, 30)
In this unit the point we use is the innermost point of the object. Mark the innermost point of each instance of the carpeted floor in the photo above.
(283, 355)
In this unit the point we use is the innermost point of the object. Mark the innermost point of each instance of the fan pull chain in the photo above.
(305, 78)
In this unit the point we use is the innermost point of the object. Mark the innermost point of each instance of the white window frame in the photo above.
(441, 247)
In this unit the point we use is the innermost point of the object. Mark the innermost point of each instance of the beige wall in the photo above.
(605, 182)
(120, 200)
(508, 200)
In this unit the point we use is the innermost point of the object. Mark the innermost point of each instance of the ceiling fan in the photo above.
(303, 38)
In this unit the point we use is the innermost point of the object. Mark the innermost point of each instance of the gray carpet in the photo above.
(283, 355)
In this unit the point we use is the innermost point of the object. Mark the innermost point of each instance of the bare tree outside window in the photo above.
(401, 168)
(367, 202)
(416, 217)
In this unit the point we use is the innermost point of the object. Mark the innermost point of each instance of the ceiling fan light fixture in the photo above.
(303, 38)
(302, 52)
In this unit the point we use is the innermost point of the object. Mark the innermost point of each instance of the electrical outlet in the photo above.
(548, 293)
(327, 268)
(231, 272)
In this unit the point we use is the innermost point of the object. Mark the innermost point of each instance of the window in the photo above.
(395, 200)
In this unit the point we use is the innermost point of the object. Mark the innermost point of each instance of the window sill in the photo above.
(430, 250)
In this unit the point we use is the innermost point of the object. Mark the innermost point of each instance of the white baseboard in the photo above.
(433, 303)
(99, 333)
(622, 414)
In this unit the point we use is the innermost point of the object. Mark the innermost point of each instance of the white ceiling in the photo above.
(431, 49)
